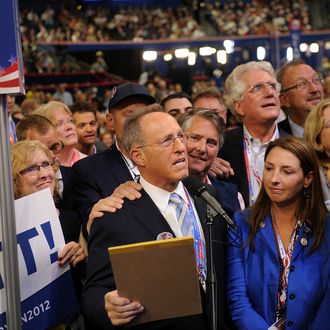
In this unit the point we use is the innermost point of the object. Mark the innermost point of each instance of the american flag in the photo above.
(11, 65)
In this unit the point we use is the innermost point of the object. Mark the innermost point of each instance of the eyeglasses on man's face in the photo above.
(263, 87)
(35, 168)
(304, 84)
(167, 142)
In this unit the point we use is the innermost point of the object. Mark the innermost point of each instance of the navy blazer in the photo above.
(284, 125)
(233, 151)
(95, 177)
(253, 276)
(139, 221)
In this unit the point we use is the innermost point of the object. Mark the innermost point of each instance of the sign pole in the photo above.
(10, 272)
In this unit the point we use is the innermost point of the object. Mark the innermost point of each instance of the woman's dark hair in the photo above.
(312, 209)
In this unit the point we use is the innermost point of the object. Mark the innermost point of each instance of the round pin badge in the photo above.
(304, 241)
(164, 235)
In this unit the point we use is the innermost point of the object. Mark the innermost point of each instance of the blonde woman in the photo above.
(33, 170)
(61, 117)
(317, 132)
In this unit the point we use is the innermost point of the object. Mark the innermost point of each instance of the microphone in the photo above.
(199, 190)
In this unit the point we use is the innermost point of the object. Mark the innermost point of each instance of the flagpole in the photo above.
(10, 270)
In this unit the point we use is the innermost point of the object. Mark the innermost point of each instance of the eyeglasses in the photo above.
(263, 87)
(35, 169)
(56, 147)
(326, 125)
(303, 84)
(61, 123)
(166, 142)
(196, 138)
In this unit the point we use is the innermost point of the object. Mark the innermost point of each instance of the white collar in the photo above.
(160, 196)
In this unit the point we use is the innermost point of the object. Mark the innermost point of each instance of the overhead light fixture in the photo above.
(289, 54)
(181, 52)
(303, 47)
(229, 46)
(261, 53)
(314, 47)
(168, 57)
(207, 51)
(222, 56)
(149, 55)
(192, 58)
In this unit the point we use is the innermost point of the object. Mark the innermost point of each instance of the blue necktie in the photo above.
(189, 226)
(182, 214)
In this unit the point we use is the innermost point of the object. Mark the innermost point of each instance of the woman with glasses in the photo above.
(61, 117)
(33, 170)
(279, 258)
(317, 132)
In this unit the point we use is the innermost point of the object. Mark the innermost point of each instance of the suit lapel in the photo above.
(118, 166)
(267, 235)
(240, 166)
(147, 214)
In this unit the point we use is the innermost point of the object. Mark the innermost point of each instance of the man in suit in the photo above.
(253, 96)
(96, 177)
(155, 143)
(204, 134)
(301, 90)
(35, 127)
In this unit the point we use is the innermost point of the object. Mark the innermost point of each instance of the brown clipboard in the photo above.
(161, 275)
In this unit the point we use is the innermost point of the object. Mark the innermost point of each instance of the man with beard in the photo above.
(301, 90)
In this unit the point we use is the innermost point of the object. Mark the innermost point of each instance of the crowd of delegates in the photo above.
(99, 23)
(138, 23)
(271, 177)
(257, 17)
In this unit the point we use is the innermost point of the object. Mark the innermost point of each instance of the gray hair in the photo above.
(185, 121)
(132, 131)
(235, 86)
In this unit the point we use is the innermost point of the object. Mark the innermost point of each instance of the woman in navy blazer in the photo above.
(279, 258)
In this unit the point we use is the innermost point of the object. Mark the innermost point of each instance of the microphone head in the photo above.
(194, 185)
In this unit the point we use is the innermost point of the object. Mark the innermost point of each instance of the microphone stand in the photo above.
(210, 278)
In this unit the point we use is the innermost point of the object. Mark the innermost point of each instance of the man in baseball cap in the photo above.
(128, 91)
(96, 177)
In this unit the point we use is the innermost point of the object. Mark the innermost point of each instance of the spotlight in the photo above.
(181, 53)
(149, 55)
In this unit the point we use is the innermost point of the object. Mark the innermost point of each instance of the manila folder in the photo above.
(161, 275)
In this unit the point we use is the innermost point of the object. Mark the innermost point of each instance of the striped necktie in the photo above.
(182, 214)
(189, 226)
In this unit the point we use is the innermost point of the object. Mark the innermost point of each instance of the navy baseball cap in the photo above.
(121, 92)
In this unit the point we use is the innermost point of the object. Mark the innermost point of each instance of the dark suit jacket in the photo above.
(284, 125)
(96, 177)
(138, 221)
(233, 151)
(66, 202)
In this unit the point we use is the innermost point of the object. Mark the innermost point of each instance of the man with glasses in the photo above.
(155, 142)
(253, 97)
(301, 90)
(35, 127)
